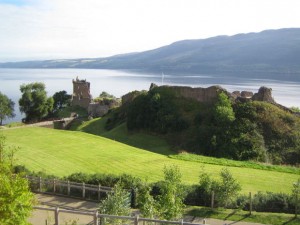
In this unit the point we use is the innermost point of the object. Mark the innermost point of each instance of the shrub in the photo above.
(273, 202)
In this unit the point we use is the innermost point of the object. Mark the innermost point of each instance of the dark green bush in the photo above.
(273, 202)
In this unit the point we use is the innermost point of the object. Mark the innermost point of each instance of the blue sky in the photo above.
(13, 2)
(57, 29)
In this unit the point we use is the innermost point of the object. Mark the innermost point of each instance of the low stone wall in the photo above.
(97, 110)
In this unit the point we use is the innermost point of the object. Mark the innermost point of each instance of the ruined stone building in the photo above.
(81, 93)
(82, 97)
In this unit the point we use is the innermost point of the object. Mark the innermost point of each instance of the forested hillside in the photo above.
(268, 54)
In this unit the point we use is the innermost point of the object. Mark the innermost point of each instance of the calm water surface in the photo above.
(119, 83)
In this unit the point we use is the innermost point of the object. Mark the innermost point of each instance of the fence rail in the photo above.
(99, 218)
(62, 187)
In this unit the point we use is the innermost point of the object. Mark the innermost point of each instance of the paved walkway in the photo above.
(41, 124)
(41, 217)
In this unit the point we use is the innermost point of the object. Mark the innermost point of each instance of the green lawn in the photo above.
(243, 216)
(64, 152)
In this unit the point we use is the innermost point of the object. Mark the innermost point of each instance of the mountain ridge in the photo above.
(267, 52)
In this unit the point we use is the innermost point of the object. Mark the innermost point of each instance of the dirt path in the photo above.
(40, 217)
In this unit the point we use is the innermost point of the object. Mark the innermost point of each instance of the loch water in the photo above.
(119, 83)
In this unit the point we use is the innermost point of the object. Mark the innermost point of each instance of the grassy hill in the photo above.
(64, 152)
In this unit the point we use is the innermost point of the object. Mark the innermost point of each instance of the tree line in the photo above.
(34, 103)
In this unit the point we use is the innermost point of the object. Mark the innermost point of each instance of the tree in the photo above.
(228, 188)
(296, 196)
(104, 94)
(225, 189)
(61, 99)
(34, 101)
(6, 108)
(117, 203)
(146, 202)
(16, 200)
(223, 112)
(170, 202)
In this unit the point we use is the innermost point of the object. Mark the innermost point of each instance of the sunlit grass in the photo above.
(61, 153)
(243, 216)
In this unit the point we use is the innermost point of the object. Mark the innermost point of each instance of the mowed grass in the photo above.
(62, 153)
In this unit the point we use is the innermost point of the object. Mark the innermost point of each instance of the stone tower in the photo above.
(81, 93)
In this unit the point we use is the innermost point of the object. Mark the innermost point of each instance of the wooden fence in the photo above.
(100, 218)
(61, 187)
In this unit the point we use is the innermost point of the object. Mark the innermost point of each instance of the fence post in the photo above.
(83, 190)
(132, 197)
(69, 188)
(40, 184)
(99, 191)
(136, 220)
(54, 185)
(96, 221)
(212, 199)
(250, 203)
(181, 222)
(296, 206)
(56, 212)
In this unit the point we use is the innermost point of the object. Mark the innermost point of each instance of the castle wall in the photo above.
(81, 93)
(205, 95)
(97, 110)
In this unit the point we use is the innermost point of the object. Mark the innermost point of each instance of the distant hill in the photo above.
(270, 53)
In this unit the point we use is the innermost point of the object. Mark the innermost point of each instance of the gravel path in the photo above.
(41, 217)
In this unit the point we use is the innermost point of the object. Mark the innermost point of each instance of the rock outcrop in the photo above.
(264, 94)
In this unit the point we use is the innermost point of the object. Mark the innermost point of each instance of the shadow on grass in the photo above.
(293, 220)
(202, 212)
(120, 133)
(234, 213)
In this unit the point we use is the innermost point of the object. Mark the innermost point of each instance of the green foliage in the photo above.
(170, 201)
(156, 111)
(223, 111)
(256, 131)
(2, 148)
(6, 108)
(104, 94)
(225, 190)
(228, 188)
(16, 201)
(34, 101)
(273, 202)
(296, 196)
(117, 203)
(281, 132)
(246, 143)
(295, 109)
(108, 180)
(146, 202)
(61, 100)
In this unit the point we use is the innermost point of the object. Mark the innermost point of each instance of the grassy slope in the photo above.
(65, 152)
(243, 216)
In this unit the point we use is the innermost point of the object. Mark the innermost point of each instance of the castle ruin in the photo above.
(81, 97)
(81, 93)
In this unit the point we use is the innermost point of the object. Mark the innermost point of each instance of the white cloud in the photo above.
(95, 28)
